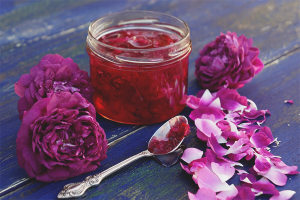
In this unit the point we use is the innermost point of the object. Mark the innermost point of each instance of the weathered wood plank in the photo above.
(27, 21)
(76, 14)
(205, 18)
(145, 179)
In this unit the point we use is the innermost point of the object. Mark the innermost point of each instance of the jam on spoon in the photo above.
(170, 134)
(174, 137)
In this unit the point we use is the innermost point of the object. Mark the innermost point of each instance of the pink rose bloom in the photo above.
(60, 138)
(53, 74)
(229, 62)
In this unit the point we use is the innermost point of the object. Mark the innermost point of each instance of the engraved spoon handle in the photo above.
(77, 189)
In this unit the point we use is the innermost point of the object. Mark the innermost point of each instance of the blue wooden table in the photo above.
(30, 29)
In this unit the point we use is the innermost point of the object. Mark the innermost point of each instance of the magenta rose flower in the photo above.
(229, 62)
(53, 74)
(60, 138)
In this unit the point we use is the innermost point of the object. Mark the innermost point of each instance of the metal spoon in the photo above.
(78, 189)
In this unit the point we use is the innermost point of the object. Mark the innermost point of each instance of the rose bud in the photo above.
(227, 62)
(60, 138)
(52, 75)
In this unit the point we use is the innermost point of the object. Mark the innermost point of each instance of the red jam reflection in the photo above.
(133, 93)
(174, 136)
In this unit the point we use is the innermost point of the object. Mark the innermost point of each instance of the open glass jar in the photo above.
(138, 65)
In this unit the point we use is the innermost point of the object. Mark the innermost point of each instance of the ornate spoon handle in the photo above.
(72, 190)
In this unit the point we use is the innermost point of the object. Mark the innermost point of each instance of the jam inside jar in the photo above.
(138, 66)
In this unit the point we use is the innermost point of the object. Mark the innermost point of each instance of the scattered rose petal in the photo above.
(289, 101)
(224, 172)
(215, 146)
(248, 178)
(265, 167)
(238, 147)
(228, 194)
(207, 179)
(283, 195)
(211, 113)
(264, 186)
(206, 99)
(262, 165)
(216, 104)
(244, 193)
(186, 168)
(275, 176)
(203, 194)
(208, 127)
(232, 100)
(191, 101)
(213, 157)
(262, 138)
(191, 154)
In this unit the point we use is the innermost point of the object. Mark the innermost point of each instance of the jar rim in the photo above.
(185, 37)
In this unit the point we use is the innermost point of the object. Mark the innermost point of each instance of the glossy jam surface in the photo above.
(139, 39)
(173, 138)
(136, 93)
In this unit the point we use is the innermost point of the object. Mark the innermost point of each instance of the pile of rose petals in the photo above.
(59, 136)
(230, 124)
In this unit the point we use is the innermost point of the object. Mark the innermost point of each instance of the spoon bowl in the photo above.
(163, 135)
(171, 133)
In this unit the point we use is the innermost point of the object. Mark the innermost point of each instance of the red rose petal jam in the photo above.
(139, 72)
(174, 136)
(139, 39)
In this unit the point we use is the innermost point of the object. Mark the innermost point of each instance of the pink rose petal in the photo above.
(264, 186)
(244, 193)
(191, 154)
(208, 127)
(260, 140)
(207, 111)
(275, 176)
(186, 168)
(236, 157)
(232, 100)
(216, 147)
(206, 99)
(283, 195)
(287, 169)
(248, 178)
(216, 104)
(201, 135)
(207, 179)
(289, 101)
(228, 194)
(203, 194)
(262, 165)
(224, 172)
(191, 101)
(238, 147)
(212, 157)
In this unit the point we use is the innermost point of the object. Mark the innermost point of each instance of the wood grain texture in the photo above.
(145, 179)
(31, 29)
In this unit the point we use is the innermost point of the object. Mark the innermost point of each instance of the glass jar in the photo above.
(138, 66)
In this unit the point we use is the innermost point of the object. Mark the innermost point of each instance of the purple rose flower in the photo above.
(53, 74)
(60, 138)
(229, 62)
